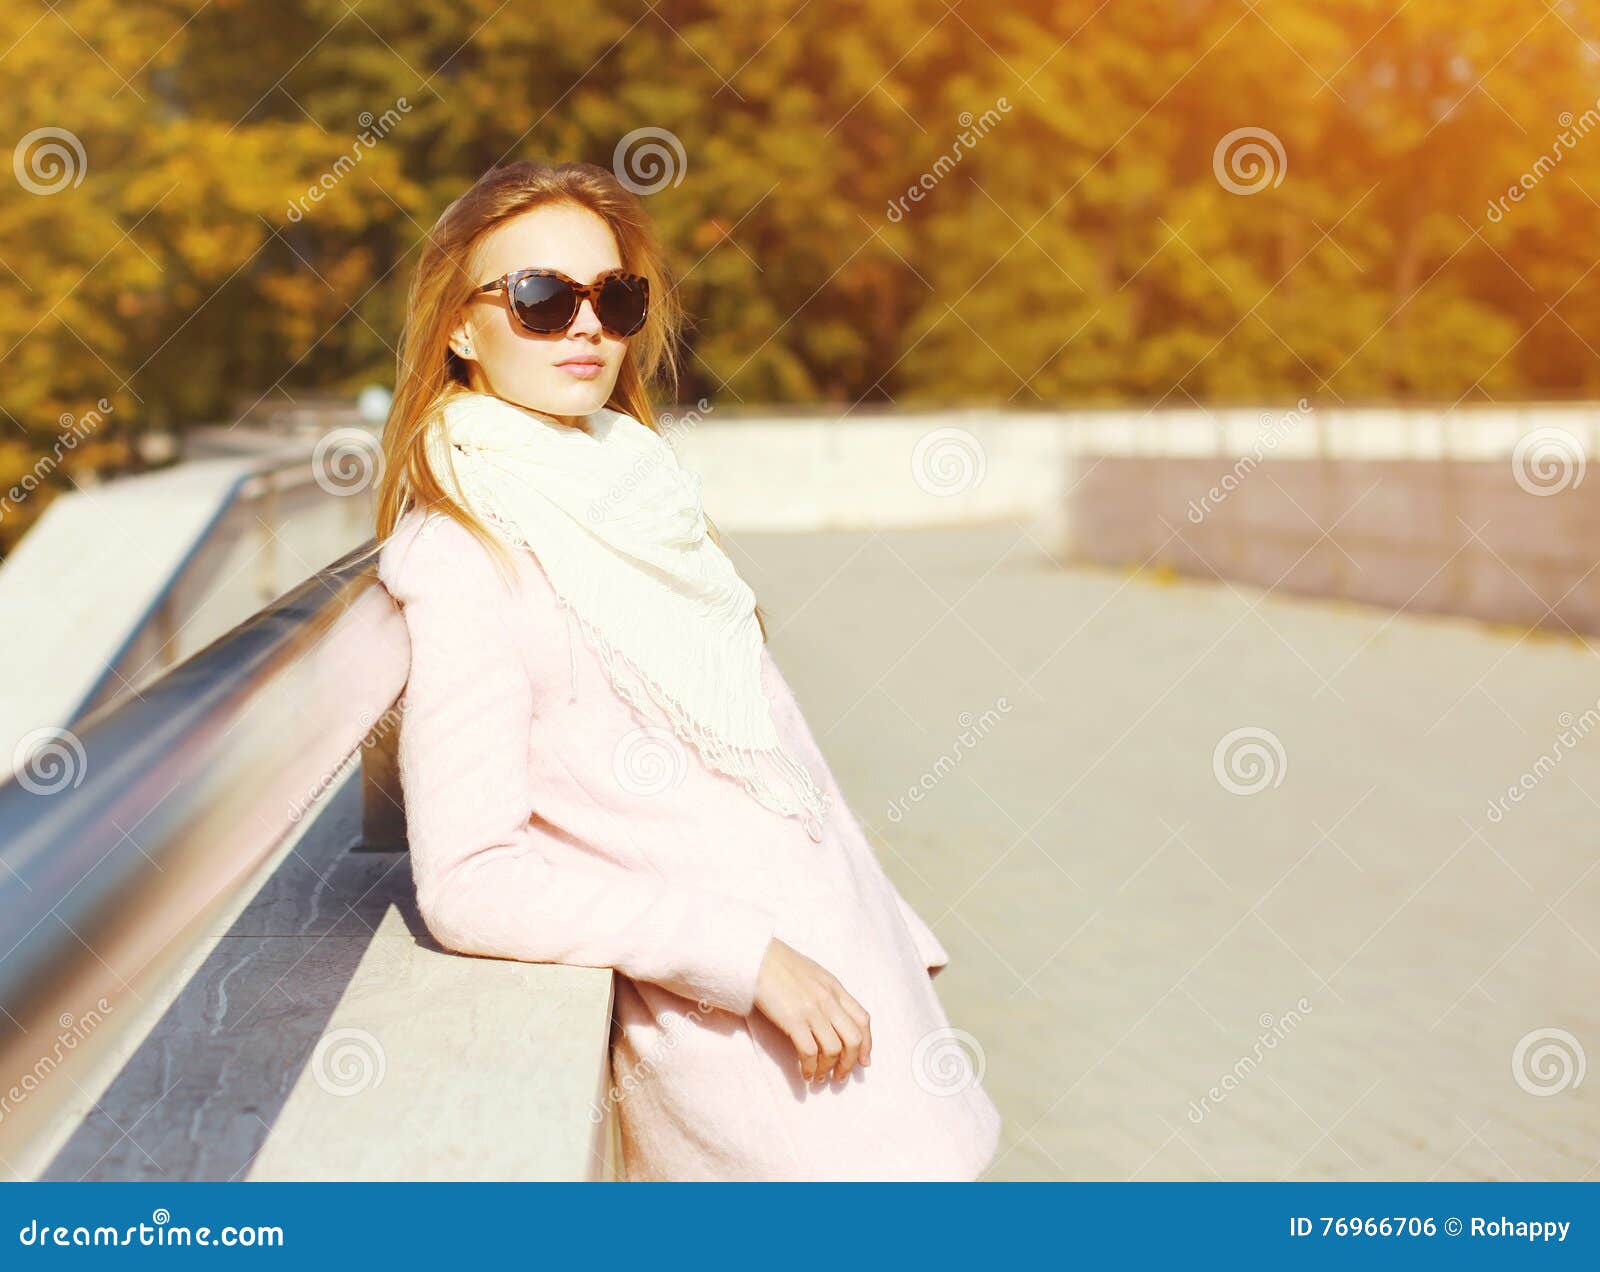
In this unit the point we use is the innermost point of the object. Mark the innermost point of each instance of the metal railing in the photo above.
(122, 840)
(255, 503)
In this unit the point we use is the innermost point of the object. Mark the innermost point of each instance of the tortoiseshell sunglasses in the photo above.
(546, 300)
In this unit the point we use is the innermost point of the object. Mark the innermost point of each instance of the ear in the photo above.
(461, 342)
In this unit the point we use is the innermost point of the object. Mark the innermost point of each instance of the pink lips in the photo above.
(582, 368)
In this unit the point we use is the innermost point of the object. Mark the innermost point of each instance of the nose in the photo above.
(585, 322)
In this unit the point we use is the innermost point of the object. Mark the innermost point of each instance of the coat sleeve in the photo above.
(487, 880)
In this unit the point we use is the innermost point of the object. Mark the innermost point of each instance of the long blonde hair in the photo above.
(430, 372)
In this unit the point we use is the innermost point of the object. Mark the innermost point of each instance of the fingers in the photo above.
(850, 1035)
(805, 1046)
(843, 1038)
(829, 1048)
(830, 1031)
(818, 1046)
(857, 1015)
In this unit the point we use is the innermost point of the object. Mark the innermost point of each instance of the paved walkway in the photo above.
(1217, 869)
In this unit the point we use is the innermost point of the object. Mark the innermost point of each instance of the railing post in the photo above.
(383, 819)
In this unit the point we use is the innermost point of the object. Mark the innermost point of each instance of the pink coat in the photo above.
(550, 821)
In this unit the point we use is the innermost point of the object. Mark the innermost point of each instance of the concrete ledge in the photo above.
(874, 469)
(435, 1066)
(319, 1033)
(1441, 536)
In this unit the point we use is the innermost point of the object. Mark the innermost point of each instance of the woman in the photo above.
(601, 762)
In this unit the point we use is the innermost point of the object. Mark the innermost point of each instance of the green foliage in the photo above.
(1074, 244)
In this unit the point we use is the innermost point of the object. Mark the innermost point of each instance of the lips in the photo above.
(582, 367)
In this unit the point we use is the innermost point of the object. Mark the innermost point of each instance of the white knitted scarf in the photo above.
(618, 528)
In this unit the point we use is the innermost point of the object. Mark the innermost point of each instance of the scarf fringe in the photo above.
(742, 763)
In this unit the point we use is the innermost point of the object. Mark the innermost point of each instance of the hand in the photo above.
(830, 1030)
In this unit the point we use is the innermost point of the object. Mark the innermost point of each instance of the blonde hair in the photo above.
(430, 372)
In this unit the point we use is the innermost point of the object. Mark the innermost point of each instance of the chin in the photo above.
(580, 397)
(560, 394)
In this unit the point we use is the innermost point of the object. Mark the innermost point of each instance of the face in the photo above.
(566, 374)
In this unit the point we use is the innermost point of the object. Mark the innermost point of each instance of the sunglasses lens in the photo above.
(623, 304)
(543, 303)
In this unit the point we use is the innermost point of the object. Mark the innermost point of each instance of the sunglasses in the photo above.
(546, 300)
